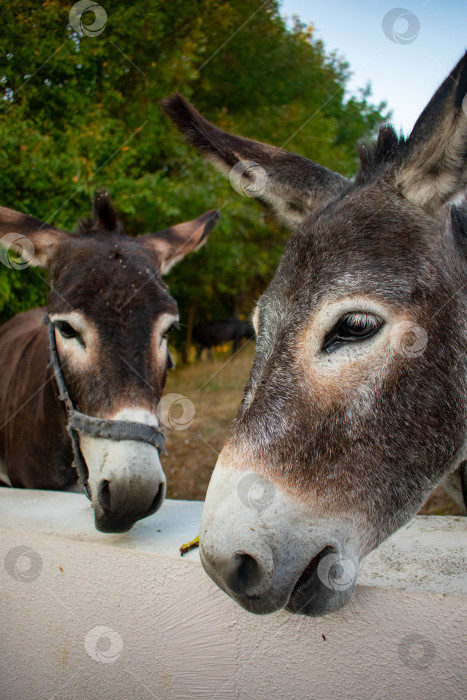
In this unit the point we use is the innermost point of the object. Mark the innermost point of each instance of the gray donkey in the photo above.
(356, 404)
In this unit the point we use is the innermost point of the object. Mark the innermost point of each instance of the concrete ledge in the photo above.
(89, 615)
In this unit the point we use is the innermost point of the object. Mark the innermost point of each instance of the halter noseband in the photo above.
(96, 427)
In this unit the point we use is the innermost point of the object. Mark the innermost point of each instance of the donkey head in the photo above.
(355, 406)
(111, 314)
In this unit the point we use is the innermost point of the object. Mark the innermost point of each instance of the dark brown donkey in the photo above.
(356, 404)
(83, 384)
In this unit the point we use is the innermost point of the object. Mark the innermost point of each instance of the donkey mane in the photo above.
(105, 219)
(375, 157)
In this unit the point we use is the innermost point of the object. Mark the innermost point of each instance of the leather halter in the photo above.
(96, 427)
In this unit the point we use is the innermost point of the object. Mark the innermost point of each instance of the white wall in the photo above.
(87, 615)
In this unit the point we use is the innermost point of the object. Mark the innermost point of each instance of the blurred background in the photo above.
(80, 111)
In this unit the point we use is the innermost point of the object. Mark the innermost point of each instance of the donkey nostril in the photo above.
(244, 576)
(158, 500)
(104, 495)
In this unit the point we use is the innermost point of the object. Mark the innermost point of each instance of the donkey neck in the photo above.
(34, 445)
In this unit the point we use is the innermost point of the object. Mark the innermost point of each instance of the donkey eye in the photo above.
(352, 328)
(358, 326)
(66, 331)
(165, 334)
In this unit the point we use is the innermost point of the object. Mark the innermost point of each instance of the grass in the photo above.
(215, 388)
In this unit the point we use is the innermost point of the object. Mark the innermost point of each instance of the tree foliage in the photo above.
(82, 112)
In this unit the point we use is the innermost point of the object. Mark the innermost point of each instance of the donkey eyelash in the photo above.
(174, 326)
(353, 327)
(360, 320)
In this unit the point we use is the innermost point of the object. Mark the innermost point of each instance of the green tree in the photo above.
(81, 112)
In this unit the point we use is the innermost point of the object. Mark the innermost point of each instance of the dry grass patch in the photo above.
(216, 389)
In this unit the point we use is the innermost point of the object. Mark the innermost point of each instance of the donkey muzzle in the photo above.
(266, 552)
(126, 481)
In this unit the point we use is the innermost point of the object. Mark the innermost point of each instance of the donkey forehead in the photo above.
(374, 220)
(351, 246)
(111, 276)
(102, 253)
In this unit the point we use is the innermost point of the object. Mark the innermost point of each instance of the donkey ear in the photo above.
(32, 240)
(435, 167)
(172, 244)
(291, 185)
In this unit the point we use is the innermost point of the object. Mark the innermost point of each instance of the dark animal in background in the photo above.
(108, 317)
(356, 404)
(211, 333)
